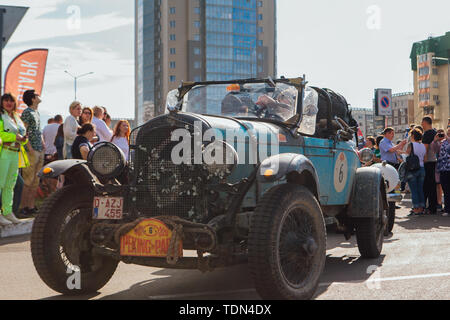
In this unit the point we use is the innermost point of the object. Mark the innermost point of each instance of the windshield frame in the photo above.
(298, 83)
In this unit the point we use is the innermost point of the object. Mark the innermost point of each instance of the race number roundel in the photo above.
(340, 172)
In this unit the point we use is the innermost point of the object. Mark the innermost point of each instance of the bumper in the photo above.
(394, 197)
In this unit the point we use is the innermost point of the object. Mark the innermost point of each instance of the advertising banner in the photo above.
(26, 72)
(383, 101)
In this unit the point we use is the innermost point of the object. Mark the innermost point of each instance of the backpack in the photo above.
(412, 161)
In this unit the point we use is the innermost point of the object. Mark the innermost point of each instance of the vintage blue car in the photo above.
(243, 171)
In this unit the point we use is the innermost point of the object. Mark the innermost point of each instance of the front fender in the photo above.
(76, 170)
(367, 190)
(296, 168)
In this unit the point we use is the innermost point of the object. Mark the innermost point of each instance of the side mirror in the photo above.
(172, 102)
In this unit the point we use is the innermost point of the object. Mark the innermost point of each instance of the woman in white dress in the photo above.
(121, 136)
(70, 128)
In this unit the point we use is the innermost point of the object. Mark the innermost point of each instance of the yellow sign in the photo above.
(150, 238)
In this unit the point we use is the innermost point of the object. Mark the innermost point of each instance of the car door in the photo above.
(320, 152)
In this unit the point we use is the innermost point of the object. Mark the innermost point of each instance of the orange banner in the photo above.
(26, 72)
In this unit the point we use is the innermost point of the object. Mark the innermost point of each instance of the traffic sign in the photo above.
(385, 102)
(383, 99)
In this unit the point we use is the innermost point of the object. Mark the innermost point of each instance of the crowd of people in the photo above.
(423, 162)
(422, 158)
(25, 149)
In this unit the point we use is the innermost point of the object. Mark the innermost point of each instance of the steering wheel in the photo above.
(274, 116)
(260, 110)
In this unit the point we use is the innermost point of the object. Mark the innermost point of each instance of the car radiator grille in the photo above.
(161, 187)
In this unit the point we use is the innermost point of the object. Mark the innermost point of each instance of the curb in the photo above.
(16, 229)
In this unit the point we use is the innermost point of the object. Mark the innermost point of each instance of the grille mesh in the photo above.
(163, 188)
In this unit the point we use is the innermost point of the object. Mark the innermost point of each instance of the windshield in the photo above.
(250, 100)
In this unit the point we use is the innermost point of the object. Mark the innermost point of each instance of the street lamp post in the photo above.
(75, 80)
(448, 75)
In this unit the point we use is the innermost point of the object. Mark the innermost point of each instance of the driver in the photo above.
(282, 107)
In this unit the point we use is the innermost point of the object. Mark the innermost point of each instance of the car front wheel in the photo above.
(370, 233)
(60, 244)
(287, 244)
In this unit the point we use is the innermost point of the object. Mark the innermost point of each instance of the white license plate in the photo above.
(108, 208)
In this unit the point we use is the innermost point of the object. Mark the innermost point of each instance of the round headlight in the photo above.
(220, 158)
(106, 160)
(366, 155)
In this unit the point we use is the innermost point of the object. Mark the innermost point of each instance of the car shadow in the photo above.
(232, 283)
(347, 269)
(235, 283)
(169, 284)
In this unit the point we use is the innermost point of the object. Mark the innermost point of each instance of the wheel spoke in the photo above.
(84, 259)
(294, 261)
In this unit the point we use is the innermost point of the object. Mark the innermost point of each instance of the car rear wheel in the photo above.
(60, 244)
(287, 244)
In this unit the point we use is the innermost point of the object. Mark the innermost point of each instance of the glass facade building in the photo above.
(147, 57)
(231, 39)
(200, 40)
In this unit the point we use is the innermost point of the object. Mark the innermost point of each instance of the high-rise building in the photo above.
(200, 40)
(430, 63)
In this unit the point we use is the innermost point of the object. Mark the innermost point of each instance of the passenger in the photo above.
(233, 106)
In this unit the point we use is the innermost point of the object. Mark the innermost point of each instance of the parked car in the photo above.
(243, 171)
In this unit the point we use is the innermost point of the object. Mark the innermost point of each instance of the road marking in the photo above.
(323, 284)
(421, 276)
(198, 294)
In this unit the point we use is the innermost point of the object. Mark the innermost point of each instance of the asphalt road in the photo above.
(414, 265)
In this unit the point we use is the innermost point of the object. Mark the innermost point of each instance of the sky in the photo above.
(82, 36)
(349, 46)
